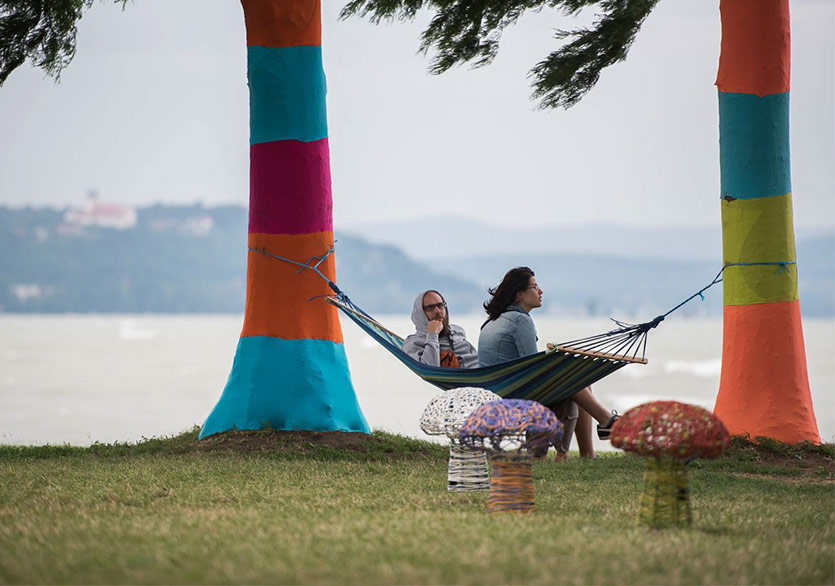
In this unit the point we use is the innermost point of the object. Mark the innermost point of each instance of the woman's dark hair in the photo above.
(514, 281)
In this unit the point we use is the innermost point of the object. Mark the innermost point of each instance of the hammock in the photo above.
(546, 377)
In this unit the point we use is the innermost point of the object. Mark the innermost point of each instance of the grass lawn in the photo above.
(273, 507)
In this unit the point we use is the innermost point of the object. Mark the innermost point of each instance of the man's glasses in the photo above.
(434, 306)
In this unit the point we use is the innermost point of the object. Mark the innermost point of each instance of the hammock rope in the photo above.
(547, 377)
(306, 265)
(628, 339)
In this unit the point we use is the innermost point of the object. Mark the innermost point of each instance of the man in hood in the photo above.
(436, 341)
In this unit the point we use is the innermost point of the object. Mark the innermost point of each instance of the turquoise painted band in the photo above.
(754, 145)
(286, 94)
(287, 384)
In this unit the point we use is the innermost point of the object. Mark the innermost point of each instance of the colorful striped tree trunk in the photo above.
(764, 387)
(290, 370)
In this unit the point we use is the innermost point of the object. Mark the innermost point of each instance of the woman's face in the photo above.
(530, 297)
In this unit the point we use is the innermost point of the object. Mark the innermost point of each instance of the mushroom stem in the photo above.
(511, 485)
(468, 469)
(665, 501)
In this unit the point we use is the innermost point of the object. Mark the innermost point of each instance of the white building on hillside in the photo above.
(94, 212)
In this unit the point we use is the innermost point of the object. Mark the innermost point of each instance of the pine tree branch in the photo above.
(41, 31)
(566, 75)
(469, 31)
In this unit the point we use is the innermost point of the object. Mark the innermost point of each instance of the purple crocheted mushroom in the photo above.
(509, 431)
(669, 434)
(511, 425)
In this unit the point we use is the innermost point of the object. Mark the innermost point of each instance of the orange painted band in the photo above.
(283, 23)
(756, 47)
(277, 297)
(764, 386)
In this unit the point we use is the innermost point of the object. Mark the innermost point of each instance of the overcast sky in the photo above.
(154, 108)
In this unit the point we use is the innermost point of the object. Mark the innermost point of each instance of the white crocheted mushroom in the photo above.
(447, 411)
(444, 415)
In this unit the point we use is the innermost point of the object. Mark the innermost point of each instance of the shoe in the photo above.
(540, 454)
(561, 457)
(605, 430)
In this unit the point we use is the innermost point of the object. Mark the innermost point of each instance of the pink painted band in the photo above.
(290, 187)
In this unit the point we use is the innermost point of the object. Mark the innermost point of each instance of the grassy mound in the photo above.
(745, 455)
(336, 508)
(329, 445)
(332, 445)
(769, 457)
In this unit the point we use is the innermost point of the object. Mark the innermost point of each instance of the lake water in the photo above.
(78, 379)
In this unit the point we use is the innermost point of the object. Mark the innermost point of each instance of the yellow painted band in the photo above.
(758, 230)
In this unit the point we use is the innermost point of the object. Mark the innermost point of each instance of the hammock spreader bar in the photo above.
(547, 377)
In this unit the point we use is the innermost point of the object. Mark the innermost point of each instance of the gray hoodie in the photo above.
(425, 346)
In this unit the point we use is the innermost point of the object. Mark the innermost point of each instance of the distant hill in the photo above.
(601, 285)
(192, 259)
(473, 238)
(643, 288)
(608, 270)
(180, 259)
(382, 279)
(158, 266)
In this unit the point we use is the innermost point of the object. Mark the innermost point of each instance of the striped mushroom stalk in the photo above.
(444, 415)
(669, 434)
(510, 431)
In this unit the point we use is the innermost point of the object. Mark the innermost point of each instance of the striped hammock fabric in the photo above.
(547, 377)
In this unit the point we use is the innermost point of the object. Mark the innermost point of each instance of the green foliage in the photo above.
(469, 31)
(42, 31)
(564, 77)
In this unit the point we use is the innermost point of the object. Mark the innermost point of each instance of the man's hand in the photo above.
(435, 326)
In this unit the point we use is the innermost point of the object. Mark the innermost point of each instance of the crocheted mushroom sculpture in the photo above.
(444, 415)
(670, 434)
(509, 431)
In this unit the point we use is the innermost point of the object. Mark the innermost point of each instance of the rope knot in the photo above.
(651, 324)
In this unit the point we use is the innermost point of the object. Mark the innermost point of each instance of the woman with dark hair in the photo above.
(509, 333)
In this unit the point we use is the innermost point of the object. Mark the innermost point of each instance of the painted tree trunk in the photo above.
(764, 387)
(290, 370)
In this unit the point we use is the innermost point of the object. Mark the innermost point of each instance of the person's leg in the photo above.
(583, 431)
(604, 417)
(567, 412)
(591, 405)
